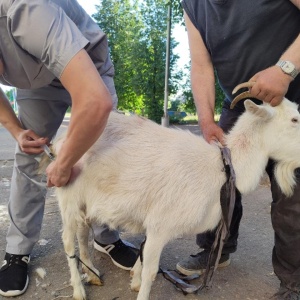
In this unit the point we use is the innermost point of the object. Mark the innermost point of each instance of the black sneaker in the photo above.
(196, 264)
(13, 275)
(122, 255)
(286, 294)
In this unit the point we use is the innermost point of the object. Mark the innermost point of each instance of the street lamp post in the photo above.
(165, 118)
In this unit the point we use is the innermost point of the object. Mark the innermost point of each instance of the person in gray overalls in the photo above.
(256, 41)
(56, 56)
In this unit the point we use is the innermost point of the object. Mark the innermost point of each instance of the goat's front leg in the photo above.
(68, 236)
(135, 273)
(151, 255)
(93, 277)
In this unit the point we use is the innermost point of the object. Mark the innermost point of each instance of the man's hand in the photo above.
(271, 85)
(59, 177)
(30, 142)
(213, 133)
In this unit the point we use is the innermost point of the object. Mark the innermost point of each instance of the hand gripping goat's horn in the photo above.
(243, 95)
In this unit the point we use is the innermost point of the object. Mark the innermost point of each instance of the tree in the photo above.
(177, 10)
(121, 21)
(137, 38)
(155, 38)
(189, 104)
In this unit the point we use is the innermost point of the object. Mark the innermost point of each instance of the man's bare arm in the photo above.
(28, 140)
(91, 105)
(271, 84)
(203, 83)
(296, 3)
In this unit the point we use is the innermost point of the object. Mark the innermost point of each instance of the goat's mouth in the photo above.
(243, 95)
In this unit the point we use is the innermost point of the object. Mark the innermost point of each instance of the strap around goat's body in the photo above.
(227, 201)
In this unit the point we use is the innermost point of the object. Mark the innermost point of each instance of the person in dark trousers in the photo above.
(57, 57)
(256, 41)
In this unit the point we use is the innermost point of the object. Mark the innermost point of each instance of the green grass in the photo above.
(192, 119)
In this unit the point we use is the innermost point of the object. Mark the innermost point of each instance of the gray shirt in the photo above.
(38, 38)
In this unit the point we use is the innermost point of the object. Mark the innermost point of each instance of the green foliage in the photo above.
(177, 10)
(219, 98)
(10, 95)
(137, 34)
(121, 22)
(189, 105)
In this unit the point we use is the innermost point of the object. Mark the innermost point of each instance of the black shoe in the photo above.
(196, 264)
(122, 255)
(286, 294)
(14, 275)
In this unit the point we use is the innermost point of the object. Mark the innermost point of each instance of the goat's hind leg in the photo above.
(151, 256)
(68, 236)
(93, 275)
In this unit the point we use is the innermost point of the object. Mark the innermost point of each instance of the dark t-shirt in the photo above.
(244, 37)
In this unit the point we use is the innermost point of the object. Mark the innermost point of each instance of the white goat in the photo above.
(166, 183)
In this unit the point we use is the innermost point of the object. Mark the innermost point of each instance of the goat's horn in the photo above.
(240, 97)
(243, 95)
(248, 84)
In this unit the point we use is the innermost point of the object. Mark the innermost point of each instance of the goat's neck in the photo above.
(249, 158)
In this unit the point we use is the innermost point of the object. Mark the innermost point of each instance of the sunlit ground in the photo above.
(3, 214)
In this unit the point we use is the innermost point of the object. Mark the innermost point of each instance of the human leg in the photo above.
(27, 197)
(285, 215)
(196, 264)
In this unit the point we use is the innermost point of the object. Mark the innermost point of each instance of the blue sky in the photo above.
(89, 5)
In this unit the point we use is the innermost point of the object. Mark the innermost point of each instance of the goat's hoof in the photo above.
(79, 294)
(92, 277)
(135, 285)
(95, 281)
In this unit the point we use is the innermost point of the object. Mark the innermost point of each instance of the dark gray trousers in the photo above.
(285, 216)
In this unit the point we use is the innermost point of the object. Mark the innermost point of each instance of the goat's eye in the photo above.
(295, 120)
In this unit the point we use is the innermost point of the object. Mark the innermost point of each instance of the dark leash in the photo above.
(227, 201)
(80, 261)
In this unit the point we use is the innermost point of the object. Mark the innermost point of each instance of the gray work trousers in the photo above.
(41, 110)
(285, 216)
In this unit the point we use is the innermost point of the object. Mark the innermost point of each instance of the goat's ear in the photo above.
(261, 111)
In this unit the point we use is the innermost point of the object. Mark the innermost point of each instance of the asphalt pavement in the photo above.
(249, 277)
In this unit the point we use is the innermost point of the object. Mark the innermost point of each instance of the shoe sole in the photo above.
(189, 272)
(102, 250)
(16, 292)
